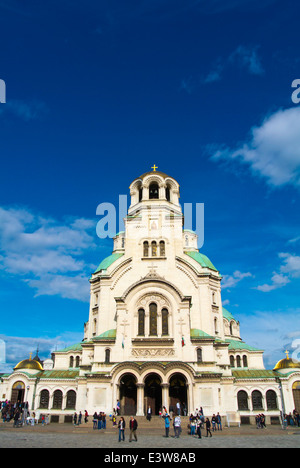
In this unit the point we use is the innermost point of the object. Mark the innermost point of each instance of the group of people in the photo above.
(197, 421)
(17, 412)
(77, 418)
(291, 419)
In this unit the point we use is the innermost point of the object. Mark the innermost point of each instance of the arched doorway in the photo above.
(153, 394)
(296, 395)
(128, 395)
(18, 393)
(178, 393)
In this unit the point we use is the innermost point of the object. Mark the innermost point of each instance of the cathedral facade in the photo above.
(157, 333)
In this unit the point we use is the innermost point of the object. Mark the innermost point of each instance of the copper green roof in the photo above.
(240, 345)
(74, 347)
(108, 335)
(227, 315)
(108, 261)
(255, 374)
(199, 334)
(59, 374)
(202, 259)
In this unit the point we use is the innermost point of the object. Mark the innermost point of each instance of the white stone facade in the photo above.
(157, 332)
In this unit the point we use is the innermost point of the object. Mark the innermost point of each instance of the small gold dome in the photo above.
(287, 363)
(29, 364)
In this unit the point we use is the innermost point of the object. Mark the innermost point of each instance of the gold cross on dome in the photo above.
(287, 354)
(154, 168)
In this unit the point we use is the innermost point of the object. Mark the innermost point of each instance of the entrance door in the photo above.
(128, 395)
(18, 393)
(153, 394)
(178, 393)
(296, 395)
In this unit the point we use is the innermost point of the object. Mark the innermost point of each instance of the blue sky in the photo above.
(96, 93)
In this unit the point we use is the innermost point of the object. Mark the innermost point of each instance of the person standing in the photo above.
(167, 424)
(177, 426)
(133, 425)
(219, 422)
(121, 427)
(208, 426)
(149, 413)
(178, 408)
(199, 428)
(118, 408)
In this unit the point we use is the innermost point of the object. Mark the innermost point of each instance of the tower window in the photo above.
(168, 197)
(141, 330)
(154, 249)
(153, 191)
(162, 249)
(165, 322)
(146, 249)
(153, 320)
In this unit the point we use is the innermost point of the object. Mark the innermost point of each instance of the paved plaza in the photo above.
(69, 436)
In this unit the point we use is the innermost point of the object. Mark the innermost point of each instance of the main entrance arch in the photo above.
(153, 393)
(128, 394)
(18, 393)
(296, 395)
(178, 393)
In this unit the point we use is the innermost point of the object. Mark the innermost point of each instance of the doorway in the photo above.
(153, 394)
(178, 393)
(18, 393)
(128, 395)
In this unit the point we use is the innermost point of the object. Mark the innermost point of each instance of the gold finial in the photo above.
(30, 356)
(287, 354)
(154, 168)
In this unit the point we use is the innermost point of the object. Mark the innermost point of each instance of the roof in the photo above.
(108, 335)
(29, 364)
(108, 261)
(60, 374)
(254, 374)
(240, 345)
(287, 363)
(74, 347)
(199, 334)
(227, 315)
(202, 259)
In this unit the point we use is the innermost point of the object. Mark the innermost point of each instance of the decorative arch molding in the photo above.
(141, 370)
(157, 281)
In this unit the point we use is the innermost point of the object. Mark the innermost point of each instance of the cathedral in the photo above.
(157, 333)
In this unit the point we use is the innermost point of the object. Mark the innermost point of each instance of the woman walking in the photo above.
(208, 425)
(121, 427)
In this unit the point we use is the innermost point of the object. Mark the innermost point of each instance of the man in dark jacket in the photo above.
(133, 425)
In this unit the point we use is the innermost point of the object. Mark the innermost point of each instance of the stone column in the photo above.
(140, 399)
(165, 395)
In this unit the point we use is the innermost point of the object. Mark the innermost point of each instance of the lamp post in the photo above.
(282, 399)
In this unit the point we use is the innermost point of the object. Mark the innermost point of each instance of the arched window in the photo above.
(154, 249)
(153, 191)
(146, 249)
(165, 322)
(77, 361)
(168, 196)
(216, 326)
(257, 400)
(238, 361)
(95, 327)
(71, 399)
(140, 194)
(71, 361)
(199, 355)
(153, 319)
(271, 400)
(162, 249)
(57, 399)
(44, 399)
(141, 331)
(245, 361)
(231, 328)
(232, 364)
(242, 401)
(107, 356)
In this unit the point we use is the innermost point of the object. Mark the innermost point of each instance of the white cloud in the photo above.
(230, 281)
(48, 254)
(273, 151)
(288, 270)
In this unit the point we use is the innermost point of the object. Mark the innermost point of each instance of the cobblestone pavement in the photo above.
(68, 436)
